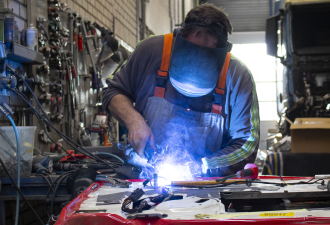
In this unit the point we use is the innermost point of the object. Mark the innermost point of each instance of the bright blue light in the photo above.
(190, 90)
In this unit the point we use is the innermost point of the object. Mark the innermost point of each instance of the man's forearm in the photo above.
(121, 107)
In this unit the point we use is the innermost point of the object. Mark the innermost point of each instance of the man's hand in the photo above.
(139, 134)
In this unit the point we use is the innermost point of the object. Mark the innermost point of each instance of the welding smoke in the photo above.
(178, 150)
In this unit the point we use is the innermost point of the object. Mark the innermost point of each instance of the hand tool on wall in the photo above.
(54, 36)
(86, 38)
(42, 85)
(55, 50)
(41, 25)
(43, 69)
(43, 137)
(56, 87)
(75, 51)
(45, 98)
(45, 51)
(73, 47)
(56, 118)
(56, 61)
(41, 39)
(70, 91)
(56, 108)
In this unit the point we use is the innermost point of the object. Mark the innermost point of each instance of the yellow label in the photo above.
(27, 144)
(276, 214)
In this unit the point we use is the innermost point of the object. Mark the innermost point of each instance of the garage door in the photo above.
(245, 15)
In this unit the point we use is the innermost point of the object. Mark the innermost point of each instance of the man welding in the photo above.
(191, 95)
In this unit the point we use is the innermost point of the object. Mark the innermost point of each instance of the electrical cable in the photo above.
(68, 140)
(19, 191)
(28, 87)
(55, 193)
(18, 167)
(48, 192)
(43, 127)
(49, 182)
(34, 148)
(40, 122)
(109, 154)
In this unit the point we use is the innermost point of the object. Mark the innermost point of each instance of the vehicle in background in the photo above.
(299, 36)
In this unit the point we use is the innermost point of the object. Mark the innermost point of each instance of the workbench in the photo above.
(34, 188)
(101, 204)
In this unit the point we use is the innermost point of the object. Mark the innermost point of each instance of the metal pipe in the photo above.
(170, 14)
(270, 7)
(88, 47)
(143, 9)
(137, 21)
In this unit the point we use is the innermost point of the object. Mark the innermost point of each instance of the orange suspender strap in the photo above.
(220, 88)
(163, 71)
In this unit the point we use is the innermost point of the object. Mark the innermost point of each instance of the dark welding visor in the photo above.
(195, 69)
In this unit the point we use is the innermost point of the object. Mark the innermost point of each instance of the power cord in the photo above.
(68, 140)
(51, 186)
(41, 123)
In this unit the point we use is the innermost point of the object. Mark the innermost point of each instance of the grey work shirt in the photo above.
(137, 80)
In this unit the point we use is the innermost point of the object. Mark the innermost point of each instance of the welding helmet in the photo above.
(195, 69)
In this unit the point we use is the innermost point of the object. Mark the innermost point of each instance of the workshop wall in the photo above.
(117, 15)
(19, 9)
(171, 12)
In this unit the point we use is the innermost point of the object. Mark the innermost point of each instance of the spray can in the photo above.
(31, 35)
(9, 31)
(16, 34)
(23, 38)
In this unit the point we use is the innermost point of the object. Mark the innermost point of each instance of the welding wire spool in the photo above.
(204, 182)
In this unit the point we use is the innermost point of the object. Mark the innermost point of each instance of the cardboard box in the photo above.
(310, 135)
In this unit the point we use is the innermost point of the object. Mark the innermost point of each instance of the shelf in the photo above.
(24, 55)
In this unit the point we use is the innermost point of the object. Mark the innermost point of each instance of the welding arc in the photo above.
(68, 140)
(19, 191)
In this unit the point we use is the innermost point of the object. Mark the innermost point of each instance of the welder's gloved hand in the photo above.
(137, 160)
(139, 134)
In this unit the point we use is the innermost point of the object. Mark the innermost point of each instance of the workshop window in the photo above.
(263, 69)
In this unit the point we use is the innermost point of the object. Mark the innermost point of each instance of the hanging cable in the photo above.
(52, 186)
(68, 140)
(109, 154)
(19, 191)
(40, 122)
(12, 70)
(55, 192)
(18, 159)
